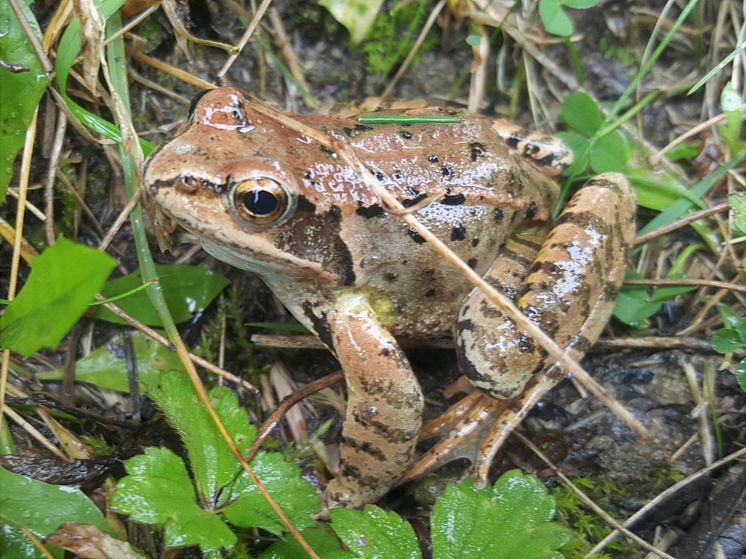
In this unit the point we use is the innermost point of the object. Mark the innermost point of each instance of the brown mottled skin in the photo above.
(358, 277)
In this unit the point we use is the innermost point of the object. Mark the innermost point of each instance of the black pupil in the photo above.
(260, 202)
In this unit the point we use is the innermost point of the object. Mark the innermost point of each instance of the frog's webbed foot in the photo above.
(384, 405)
(568, 291)
(548, 153)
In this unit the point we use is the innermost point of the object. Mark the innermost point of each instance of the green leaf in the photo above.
(609, 153)
(726, 340)
(508, 521)
(297, 498)
(41, 507)
(738, 204)
(14, 544)
(656, 190)
(212, 462)
(21, 91)
(374, 533)
(188, 289)
(321, 539)
(157, 490)
(106, 367)
(63, 281)
(633, 305)
(356, 15)
(580, 4)
(580, 112)
(741, 374)
(554, 18)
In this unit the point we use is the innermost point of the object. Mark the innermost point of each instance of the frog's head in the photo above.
(224, 178)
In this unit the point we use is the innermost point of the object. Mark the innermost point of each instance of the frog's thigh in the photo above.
(384, 406)
(568, 292)
(550, 154)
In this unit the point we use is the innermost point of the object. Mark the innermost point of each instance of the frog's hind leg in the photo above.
(548, 153)
(568, 292)
(384, 405)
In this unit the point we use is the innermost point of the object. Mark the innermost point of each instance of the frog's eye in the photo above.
(262, 201)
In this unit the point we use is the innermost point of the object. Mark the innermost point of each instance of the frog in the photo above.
(267, 198)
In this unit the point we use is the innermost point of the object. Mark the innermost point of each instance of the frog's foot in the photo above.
(549, 154)
(384, 409)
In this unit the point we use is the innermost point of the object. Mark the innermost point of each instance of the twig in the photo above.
(688, 281)
(245, 39)
(679, 223)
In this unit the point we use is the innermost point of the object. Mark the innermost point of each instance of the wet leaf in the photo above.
(741, 374)
(157, 490)
(14, 544)
(297, 498)
(356, 15)
(726, 340)
(22, 89)
(510, 520)
(321, 539)
(42, 508)
(212, 462)
(188, 289)
(374, 533)
(63, 282)
(106, 367)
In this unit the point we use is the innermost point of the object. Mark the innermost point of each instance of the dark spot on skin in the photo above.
(472, 263)
(429, 272)
(308, 175)
(416, 237)
(458, 233)
(453, 199)
(195, 101)
(363, 128)
(477, 151)
(385, 352)
(512, 217)
(319, 323)
(513, 141)
(305, 206)
(447, 172)
(407, 202)
(335, 212)
(378, 174)
(546, 161)
(349, 132)
(389, 276)
(407, 135)
(398, 175)
(525, 343)
(474, 242)
(350, 471)
(432, 158)
(532, 209)
(497, 215)
(327, 151)
(373, 210)
(430, 292)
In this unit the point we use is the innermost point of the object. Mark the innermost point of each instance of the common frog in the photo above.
(268, 199)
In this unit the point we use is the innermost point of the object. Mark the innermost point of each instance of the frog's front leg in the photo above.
(384, 405)
(568, 291)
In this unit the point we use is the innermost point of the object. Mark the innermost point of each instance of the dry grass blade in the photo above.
(347, 155)
(683, 222)
(684, 281)
(245, 39)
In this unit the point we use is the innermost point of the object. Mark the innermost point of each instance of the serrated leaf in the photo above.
(741, 374)
(356, 15)
(187, 289)
(106, 367)
(21, 90)
(374, 533)
(580, 112)
(157, 490)
(321, 539)
(554, 18)
(726, 340)
(41, 507)
(510, 520)
(609, 153)
(297, 498)
(63, 282)
(738, 205)
(212, 462)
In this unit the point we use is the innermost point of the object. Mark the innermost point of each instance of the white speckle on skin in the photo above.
(184, 149)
